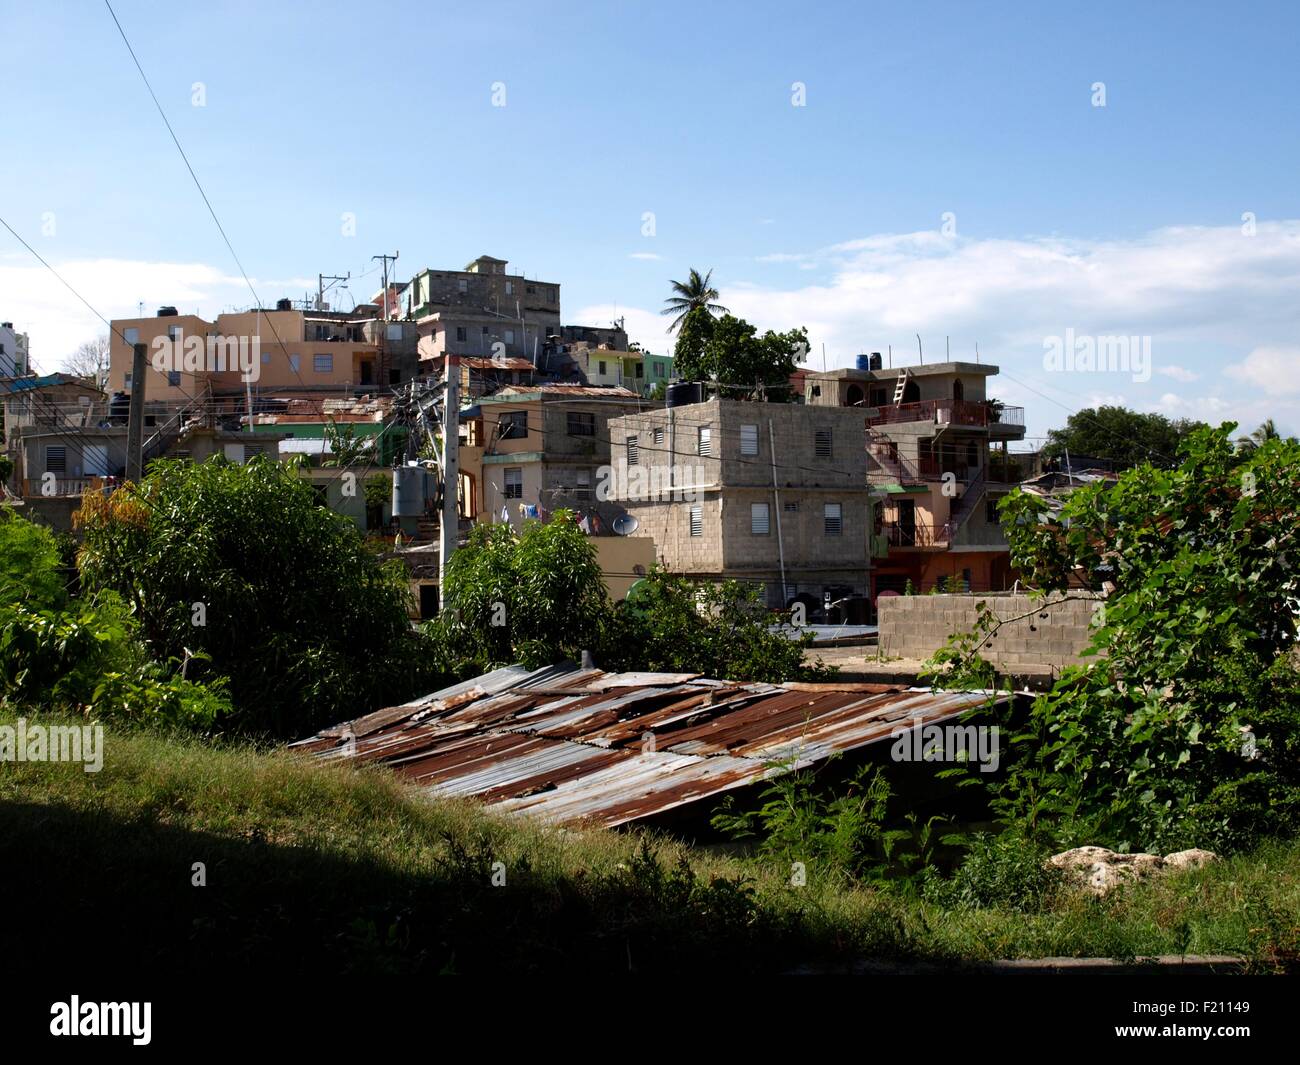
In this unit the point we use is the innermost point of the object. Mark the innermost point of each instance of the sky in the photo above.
(1021, 177)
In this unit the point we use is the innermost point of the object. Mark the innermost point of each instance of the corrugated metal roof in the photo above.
(583, 746)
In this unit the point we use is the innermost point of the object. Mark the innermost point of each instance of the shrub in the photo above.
(1005, 871)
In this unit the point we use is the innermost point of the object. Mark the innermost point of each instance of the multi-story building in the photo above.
(481, 311)
(932, 437)
(14, 358)
(772, 493)
(299, 354)
(533, 448)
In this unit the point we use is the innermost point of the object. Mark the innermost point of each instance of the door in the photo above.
(907, 521)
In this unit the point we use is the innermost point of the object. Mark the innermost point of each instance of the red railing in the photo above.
(917, 535)
(940, 411)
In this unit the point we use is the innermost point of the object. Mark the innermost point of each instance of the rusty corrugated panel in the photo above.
(574, 746)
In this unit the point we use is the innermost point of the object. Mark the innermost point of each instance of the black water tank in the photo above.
(284, 305)
(684, 393)
(166, 312)
(119, 408)
(875, 362)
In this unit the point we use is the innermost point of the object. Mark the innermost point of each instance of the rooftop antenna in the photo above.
(823, 356)
(891, 356)
(918, 349)
(977, 352)
(947, 350)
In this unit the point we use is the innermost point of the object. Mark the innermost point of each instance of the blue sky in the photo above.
(1063, 216)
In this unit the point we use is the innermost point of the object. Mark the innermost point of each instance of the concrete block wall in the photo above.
(1053, 634)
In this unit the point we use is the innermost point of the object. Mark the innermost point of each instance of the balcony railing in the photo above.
(61, 486)
(915, 535)
(1009, 416)
(940, 411)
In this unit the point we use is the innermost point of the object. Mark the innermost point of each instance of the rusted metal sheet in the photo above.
(574, 746)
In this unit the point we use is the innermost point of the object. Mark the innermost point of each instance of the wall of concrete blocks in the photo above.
(1053, 634)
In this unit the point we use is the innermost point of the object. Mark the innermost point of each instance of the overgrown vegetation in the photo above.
(327, 869)
(1184, 728)
(237, 570)
(537, 597)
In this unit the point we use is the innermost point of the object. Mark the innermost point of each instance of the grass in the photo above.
(316, 868)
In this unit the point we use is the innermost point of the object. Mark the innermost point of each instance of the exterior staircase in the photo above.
(964, 506)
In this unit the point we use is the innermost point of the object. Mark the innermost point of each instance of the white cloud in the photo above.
(1204, 295)
(1274, 367)
(649, 256)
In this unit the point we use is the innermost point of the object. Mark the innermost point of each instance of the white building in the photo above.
(14, 361)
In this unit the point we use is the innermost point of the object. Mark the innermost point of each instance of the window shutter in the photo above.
(759, 521)
(749, 439)
(697, 520)
(633, 451)
(833, 518)
(822, 443)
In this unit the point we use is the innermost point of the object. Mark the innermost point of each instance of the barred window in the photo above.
(822, 443)
(633, 451)
(581, 423)
(514, 482)
(514, 425)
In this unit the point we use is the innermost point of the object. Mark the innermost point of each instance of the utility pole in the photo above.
(135, 416)
(322, 288)
(450, 472)
(381, 372)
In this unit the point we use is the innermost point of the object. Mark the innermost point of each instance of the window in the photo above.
(485, 330)
(514, 425)
(790, 508)
(530, 289)
(510, 336)
(293, 363)
(584, 484)
(697, 520)
(394, 331)
(174, 378)
(266, 357)
(552, 294)
(131, 336)
(658, 434)
(633, 451)
(510, 288)
(172, 330)
(659, 369)
(991, 511)
(601, 364)
(822, 443)
(833, 518)
(463, 285)
(56, 459)
(322, 363)
(128, 379)
(394, 377)
(514, 482)
(461, 335)
(581, 424)
(749, 439)
(705, 446)
(759, 519)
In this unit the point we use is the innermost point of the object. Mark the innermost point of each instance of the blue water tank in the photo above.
(864, 362)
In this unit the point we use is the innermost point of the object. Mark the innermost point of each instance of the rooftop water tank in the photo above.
(684, 393)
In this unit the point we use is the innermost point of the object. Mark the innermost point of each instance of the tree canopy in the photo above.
(731, 351)
(1124, 437)
(695, 293)
(1184, 730)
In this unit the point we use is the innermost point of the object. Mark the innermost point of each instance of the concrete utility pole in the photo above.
(135, 416)
(322, 288)
(450, 472)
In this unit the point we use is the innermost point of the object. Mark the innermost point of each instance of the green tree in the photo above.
(734, 354)
(1125, 437)
(1262, 435)
(1184, 729)
(695, 293)
(534, 597)
(239, 564)
(30, 564)
(347, 449)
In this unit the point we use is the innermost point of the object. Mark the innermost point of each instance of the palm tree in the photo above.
(691, 294)
(1266, 432)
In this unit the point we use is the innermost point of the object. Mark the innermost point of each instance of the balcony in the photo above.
(975, 413)
(917, 534)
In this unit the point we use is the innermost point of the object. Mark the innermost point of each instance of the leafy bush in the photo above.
(30, 562)
(1184, 730)
(841, 830)
(277, 593)
(1005, 871)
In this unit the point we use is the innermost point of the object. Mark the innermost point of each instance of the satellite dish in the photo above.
(626, 525)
